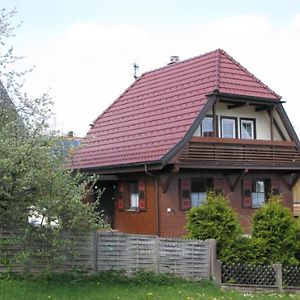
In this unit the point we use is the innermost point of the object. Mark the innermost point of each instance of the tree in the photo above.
(34, 178)
(215, 219)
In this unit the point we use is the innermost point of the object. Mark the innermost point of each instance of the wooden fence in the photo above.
(276, 276)
(99, 251)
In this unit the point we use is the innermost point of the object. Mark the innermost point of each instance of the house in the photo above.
(181, 130)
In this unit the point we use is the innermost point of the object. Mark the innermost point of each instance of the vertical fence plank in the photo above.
(213, 257)
(95, 252)
(218, 273)
(278, 276)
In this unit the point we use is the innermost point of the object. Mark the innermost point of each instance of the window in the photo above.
(207, 127)
(258, 193)
(199, 189)
(134, 194)
(255, 191)
(228, 127)
(247, 127)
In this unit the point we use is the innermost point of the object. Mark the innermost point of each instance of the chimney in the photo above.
(173, 59)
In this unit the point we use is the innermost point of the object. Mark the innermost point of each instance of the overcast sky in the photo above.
(85, 50)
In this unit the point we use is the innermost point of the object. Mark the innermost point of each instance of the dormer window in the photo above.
(228, 127)
(247, 127)
(207, 127)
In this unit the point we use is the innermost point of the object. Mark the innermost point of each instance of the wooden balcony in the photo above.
(236, 153)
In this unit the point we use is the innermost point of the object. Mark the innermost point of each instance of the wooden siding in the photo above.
(211, 152)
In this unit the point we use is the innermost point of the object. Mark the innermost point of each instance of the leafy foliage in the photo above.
(214, 220)
(274, 224)
(35, 181)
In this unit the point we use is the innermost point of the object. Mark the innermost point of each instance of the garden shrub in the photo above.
(215, 219)
(246, 250)
(275, 224)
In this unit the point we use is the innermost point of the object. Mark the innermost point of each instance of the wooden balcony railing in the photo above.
(235, 152)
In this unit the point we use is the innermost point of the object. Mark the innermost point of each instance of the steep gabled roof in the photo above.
(154, 114)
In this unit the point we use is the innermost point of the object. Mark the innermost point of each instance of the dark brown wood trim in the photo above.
(295, 180)
(215, 123)
(290, 129)
(237, 180)
(228, 118)
(263, 107)
(169, 177)
(279, 130)
(286, 183)
(271, 113)
(236, 105)
(239, 98)
(254, 126)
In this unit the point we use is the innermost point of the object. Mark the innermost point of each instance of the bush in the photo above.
(275, 224)
(214, 220)
(246, 250)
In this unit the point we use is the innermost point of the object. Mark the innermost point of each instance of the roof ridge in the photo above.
(180, 62)
(217, 70)
(250, 74)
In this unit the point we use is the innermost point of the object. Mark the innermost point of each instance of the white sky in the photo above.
(85, 54)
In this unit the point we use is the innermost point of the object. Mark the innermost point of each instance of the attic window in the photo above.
(228, 127)
(207, 128)
(247, 129)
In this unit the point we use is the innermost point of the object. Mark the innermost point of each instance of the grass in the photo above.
(112, 286)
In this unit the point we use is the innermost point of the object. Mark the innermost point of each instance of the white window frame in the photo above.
(212, 123)
(234, 128)
(248, 121)
(258, 197)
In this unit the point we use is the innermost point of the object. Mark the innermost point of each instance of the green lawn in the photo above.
(65, 289)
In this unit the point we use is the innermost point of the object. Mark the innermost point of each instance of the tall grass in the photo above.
(111, 285)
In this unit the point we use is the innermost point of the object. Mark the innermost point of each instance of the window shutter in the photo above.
(120, 196)
(218, 185)
(142, 195)
(185, 194)
(247, 193)
(275, 186)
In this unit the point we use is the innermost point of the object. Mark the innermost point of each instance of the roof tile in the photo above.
(153, 115)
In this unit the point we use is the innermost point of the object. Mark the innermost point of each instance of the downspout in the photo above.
(156, 199)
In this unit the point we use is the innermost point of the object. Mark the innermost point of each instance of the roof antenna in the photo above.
(136, 68)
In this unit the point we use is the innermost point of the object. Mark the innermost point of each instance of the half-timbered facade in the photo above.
(179, 131)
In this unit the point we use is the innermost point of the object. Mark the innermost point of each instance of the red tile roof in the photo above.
(153, 115)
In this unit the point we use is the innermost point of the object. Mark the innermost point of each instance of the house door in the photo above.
(106, 201)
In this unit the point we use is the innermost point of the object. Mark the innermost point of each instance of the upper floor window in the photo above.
(207, 127)
(228, 127)
(247, 127)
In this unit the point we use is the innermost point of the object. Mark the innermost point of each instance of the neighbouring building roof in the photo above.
(154, 114)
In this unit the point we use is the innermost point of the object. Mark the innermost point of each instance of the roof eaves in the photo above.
(157, 164)
(243, 97)
(290, 127)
